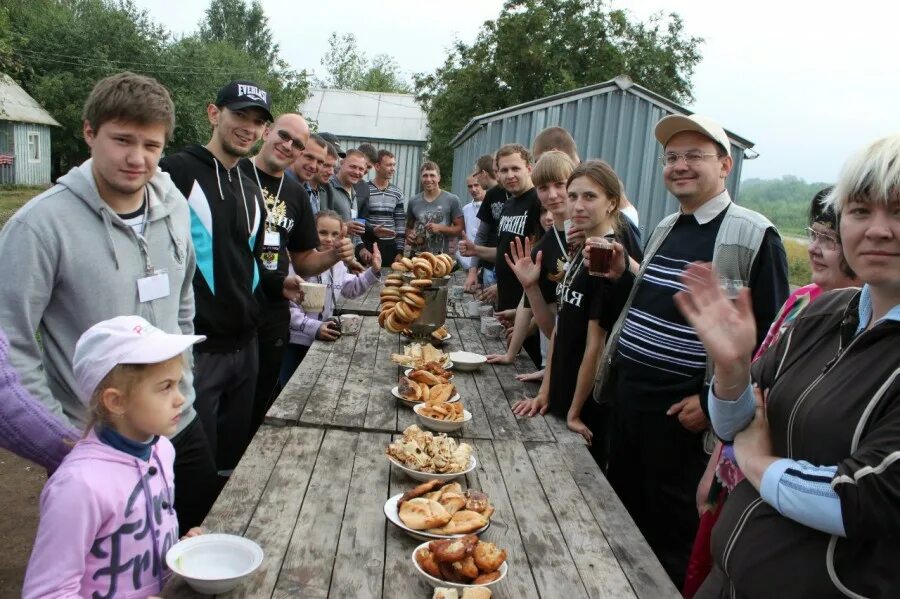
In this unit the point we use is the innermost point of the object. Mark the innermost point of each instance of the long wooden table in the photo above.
(312, 485)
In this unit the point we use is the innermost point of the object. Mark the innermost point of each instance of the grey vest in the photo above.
(737, 244)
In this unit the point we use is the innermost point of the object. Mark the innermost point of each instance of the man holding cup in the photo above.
(654, 368)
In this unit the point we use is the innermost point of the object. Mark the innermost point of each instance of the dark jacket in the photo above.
(833, 399)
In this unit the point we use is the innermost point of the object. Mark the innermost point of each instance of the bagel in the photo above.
(409, 289)
(402, 312)
(393, 282)
(407, 263)
(430, 257)
(422, 268)
(414, 299)
(382, 316)
(414, 311)
(440, 268)
(450, 260)
(420, 283)
(387, 305)
(399, 267)
(390, 322)
(391, 292)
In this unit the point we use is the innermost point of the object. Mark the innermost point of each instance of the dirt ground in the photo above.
(20, 490)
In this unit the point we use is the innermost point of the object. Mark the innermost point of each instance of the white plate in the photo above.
(441, 426)
(214, 563)
(437, 582)
(392, 513)
(409, 371)
(466, 361)
(396, 393)
(426, 476)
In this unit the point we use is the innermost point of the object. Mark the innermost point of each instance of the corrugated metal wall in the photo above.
(616, 126)
(409, 159)
(14, 139)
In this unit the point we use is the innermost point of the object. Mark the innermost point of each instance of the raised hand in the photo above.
(726, 328)
(466, 246)
(519, 260)
(376, 258)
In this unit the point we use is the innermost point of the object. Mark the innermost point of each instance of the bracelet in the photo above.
(723, 388)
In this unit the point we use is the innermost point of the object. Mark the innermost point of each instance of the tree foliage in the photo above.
(240, 26)
(536, 48)
(348, 67)
(58, 54)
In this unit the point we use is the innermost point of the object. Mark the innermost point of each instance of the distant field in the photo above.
(12, 198)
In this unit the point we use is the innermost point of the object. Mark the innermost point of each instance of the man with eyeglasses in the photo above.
(290, 239)
(654, 369)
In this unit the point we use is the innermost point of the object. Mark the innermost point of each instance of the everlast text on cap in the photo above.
(245, 94)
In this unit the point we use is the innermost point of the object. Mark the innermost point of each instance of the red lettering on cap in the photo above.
(138, 329)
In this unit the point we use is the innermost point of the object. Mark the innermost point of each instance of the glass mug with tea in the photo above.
(600, 253)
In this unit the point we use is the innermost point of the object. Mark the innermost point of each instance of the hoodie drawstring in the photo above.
(218, 178)
(107, 223)
(179, 250)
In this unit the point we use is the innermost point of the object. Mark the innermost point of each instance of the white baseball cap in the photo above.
(669, 126)
(122, 340)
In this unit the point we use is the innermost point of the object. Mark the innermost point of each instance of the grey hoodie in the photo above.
(67, 261)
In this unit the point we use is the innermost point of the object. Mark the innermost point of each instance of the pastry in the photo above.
(423, 376)
(448, 573)
(488, 557)
(463, 522)
(421, 514)
(445, 593)
(441, 393)
(409, 390)
(453, 502)
(426, 561)
(476, 501)
(448, 550)
(486, 578)
(466, 568)
(426, 392)
(420, 490)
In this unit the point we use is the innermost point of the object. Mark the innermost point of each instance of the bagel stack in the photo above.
(401, 302)
(426, 265)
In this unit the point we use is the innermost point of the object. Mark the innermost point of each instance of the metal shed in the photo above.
(392, 122)
(24, 136)
(613, 120)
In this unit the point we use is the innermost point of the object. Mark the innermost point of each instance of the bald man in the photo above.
(290, 239)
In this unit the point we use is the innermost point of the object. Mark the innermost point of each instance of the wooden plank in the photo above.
(273, 520)
(354, 398)
(470, 396)
(309, 560)
(381, 409)
(234, 508)
(359, 565)
(551, 562)
(643, 570)
(504, 530)
(290, 402)
(325, 393)
(600, 571)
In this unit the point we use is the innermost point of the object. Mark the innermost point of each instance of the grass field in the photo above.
(799, 272)
(12, 198)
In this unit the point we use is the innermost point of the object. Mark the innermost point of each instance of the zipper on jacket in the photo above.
(736, 533)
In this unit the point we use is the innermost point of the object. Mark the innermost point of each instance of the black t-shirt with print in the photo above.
(489, 212)
(293, 218)
(519, 218)
(553, 264)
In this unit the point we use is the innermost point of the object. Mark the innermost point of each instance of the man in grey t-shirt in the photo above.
(434, 218)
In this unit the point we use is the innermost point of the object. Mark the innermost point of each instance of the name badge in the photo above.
(272, 239)
(354, 213)
(154, 286)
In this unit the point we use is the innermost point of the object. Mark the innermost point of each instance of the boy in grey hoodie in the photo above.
(111, 238)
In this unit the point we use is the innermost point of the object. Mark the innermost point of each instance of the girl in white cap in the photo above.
(107, 515)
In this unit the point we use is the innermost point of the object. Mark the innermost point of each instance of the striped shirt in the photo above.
(385, 207)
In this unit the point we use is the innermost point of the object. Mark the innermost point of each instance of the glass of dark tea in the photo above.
(600, 253)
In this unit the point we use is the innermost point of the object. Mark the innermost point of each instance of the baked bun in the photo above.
(453, 502)
(488, 557)
(476, 501)
(484, 593)
(426, 561)
(423, 376)
(408, 389)
(465, 568)
(421, 514)
(420, 490)
(441, 393)
(448, 550)
(445, 593)
(463, 522)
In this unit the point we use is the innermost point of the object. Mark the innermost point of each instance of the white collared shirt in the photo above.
(712, 208)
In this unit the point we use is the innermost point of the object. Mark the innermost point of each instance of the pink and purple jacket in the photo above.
(107, 521)
(339, 281)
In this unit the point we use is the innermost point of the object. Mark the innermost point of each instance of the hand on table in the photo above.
(471, 283)
(689, 413)
(488, 294)
(519, 260)
(500, 359)
(328, 331)
(531, 406)
(576, 425)
(506, 317)
(537, 375)
(194, 532)
(291, 289)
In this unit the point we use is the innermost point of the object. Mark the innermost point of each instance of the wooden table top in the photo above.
(313, 499)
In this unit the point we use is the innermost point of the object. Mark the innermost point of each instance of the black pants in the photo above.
(388, 249)
(655, 465)
(271, 350)
(225, 385)
(196, 483)
(293, 356)
(532, 347)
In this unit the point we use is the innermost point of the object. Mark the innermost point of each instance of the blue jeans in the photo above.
(489, 277)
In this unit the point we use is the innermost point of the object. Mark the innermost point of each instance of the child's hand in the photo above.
(194, 532)
(376, 258)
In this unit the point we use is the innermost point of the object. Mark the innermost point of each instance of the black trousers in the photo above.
(655, 465)
(271, 351)
(225, 385)
(532, 347)
(196, 482)
(388, 249)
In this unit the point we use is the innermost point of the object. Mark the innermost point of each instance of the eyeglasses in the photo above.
(825, 241)
(295, 143)
(690, 158)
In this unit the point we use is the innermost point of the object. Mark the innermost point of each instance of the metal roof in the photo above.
(622, 82)
(367, 115)
(17, 105)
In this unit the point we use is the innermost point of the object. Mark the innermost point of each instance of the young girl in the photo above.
(307, 327)
(582, 319)
(107, 515)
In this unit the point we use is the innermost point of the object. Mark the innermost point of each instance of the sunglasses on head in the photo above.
(295, 143)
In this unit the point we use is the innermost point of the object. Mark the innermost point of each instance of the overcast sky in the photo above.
(809, 83)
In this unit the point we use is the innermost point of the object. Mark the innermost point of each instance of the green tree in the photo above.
(348, 67)
(536, 48)
(240, 26)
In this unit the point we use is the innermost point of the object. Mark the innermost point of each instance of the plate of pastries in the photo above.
(424, 455)
(460, 563)
(423, 356)
(439, 509)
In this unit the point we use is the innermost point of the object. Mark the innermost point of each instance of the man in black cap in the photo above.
(333, 140)
(228, 219)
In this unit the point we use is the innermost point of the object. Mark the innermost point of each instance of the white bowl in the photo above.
(441, 426)
(392, 513)
(437, 582)
(466, 361)
(409, 371)
(214, 563)
(426, 476)
(412, 404)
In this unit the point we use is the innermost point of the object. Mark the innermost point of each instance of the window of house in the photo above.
(34, 146)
